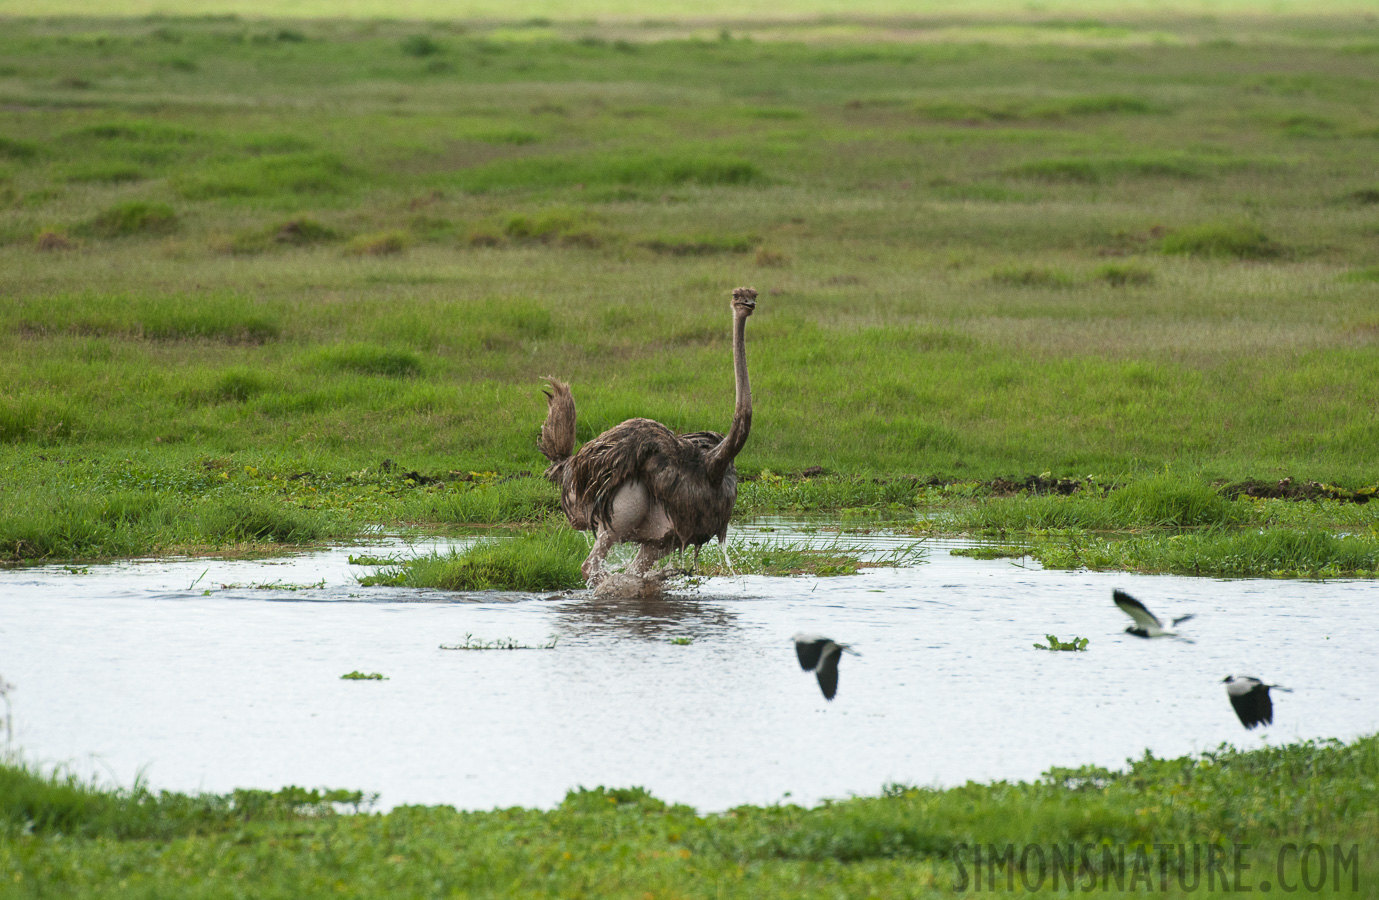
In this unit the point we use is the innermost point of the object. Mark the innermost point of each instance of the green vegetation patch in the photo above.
(1031, 277)
(1159, 502)
(1234, 240)
(1124, 274)
(130, 219)
(55, 803)
(1273, 553)
(20, 151)
(701, 244)
(1095, 170)
(547, 560)
(56, 524)
(1024, 109)
(771, 556)
(178, 317)
(560, 225)
(88, 841)
(642, 169)
(300, 231)
(105, 173)
(382, 243)
(289, 174)
(1074, 645)
(369, 359)
(990, 552)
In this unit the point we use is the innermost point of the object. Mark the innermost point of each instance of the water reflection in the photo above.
(656, 618)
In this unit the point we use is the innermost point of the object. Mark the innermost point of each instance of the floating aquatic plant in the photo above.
(473, 643)
(1054, 643)
(990, 552)
(362, 676)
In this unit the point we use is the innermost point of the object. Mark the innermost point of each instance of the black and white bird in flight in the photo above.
(1250, 697)
(820, 655)
(1147, 625)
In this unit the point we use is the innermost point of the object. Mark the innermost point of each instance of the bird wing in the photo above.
(1135, 609)
(828, 670)
(1251, 702)
(809, 647)
(612, 459)
(1181, 619)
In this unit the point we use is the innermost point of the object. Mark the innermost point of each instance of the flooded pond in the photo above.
(134, 667)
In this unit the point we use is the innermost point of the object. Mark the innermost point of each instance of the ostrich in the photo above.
(642, 483)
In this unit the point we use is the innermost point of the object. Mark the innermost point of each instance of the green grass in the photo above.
(534, 561)
(53, 803)
(773, 556)
(1105, 250)
(626, 843)
(1276, 553)
(1222, 239)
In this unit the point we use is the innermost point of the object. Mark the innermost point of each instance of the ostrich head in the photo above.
(744, 301)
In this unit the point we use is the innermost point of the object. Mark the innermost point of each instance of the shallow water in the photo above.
(132, 668)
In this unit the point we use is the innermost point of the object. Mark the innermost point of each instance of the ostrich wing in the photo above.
(1135, 610)
(614, 458)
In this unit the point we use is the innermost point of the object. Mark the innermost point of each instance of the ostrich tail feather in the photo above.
(558, 433)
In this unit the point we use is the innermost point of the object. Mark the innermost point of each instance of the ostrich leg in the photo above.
(593, 565)
(647, 557)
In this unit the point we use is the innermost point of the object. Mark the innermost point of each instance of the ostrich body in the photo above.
(642, 483)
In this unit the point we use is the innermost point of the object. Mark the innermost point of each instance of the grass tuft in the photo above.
(259, 520)
(647, 169)
(420, 45)
(1234, 240)
(1124, 275)
(367, 359)
(238, 385)
(382, 243)
(19, 151)
(1031, 277)
(296, 232)
(134, 218)
(701, 244)
(269, 176)
(537, 561)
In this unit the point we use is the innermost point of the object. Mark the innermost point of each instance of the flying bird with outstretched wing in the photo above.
(1250, 697)
(1147, 625)
(820, 655)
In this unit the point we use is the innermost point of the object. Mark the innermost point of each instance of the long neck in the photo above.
(722, 456)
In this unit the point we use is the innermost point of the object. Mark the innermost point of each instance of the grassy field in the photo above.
(248, 261)
(680, 12)
(64, 839)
